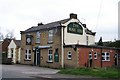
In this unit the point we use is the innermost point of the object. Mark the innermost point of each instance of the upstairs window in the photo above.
(105, 56)
(38, 37)
(50, 36)
(87, 39)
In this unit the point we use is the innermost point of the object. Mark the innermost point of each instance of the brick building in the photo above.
(48, 44)
(91, 56)
(14, 50)
(4, 49)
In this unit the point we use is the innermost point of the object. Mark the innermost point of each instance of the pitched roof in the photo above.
(46, 26)
(18, 42)
(53, 25)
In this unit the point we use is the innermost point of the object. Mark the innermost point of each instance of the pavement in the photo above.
(27, 72)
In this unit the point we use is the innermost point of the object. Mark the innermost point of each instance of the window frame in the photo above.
(87, 40)
(50, 36)
(38, 37)
(105, 56)
(90, 55)
(69, 53)
(95, 54)
(50, 54)
(27, 54)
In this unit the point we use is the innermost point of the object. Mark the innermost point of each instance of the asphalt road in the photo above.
(26, 72)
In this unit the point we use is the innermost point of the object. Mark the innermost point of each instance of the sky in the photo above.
(100, 16)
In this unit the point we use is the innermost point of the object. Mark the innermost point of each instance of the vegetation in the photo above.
(112, 44)
(98, 72)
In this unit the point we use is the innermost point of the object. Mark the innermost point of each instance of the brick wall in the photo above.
(84, 57)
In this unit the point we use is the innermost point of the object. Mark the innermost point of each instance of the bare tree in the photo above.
(1, 37)
(9, 35)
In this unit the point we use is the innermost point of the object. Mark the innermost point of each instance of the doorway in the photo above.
(116, 59)
(37, 57)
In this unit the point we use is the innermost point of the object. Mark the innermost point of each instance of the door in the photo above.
(37, 57)
(116, 59)
(90, 59)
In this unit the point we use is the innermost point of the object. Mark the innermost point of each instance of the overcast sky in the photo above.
(101, 16)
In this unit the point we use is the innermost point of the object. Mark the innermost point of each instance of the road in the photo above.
(26, 72)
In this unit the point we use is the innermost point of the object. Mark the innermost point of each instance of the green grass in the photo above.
(98, 72)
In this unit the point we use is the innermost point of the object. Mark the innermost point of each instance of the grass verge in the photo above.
(97, 72)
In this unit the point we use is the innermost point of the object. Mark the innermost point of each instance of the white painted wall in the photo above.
(19, 55)
(71, 38)
(12, 45)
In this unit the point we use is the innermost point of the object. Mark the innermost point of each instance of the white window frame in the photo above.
(12, 52)
(95, 55)
(87, 40)
(28, 54)
(105, 56)
(50, 55)
(90, 55)
(50, 36)
(37, 37)
(69, 53)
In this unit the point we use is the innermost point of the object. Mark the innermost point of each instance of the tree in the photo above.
(9, 35)
(1, 37)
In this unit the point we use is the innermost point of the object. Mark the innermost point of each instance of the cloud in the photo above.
(22, 14)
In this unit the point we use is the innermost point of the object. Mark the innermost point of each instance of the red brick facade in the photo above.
(93, 56)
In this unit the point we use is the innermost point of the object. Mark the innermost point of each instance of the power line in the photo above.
(98, 17)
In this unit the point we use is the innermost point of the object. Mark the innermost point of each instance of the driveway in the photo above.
(38, 73)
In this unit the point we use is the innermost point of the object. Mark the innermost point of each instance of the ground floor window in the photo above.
(105, 56)
(90, 55)
(69, 55)
(50, 56)
(56, 56)
(95, 55)
(28, 54)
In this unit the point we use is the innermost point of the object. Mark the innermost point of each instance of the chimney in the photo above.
(39, 24)
(73, 16)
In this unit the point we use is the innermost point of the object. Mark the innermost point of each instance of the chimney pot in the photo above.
(73, 16)
(39, 24)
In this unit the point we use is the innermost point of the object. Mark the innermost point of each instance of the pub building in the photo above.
(65, 43)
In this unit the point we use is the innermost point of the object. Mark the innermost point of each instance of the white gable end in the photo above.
(73, 38)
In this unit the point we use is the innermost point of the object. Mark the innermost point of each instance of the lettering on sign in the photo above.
(75, 28)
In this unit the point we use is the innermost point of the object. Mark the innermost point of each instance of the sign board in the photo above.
(75, 28)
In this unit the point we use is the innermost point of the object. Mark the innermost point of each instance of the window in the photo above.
(69, 55)
(38, 37)
(50, 36)
(50, 56)
(90, 55)
(56, 55)
(28, 54)
(95, 55)
(12, 52)
(87, 39)
(105, 56)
